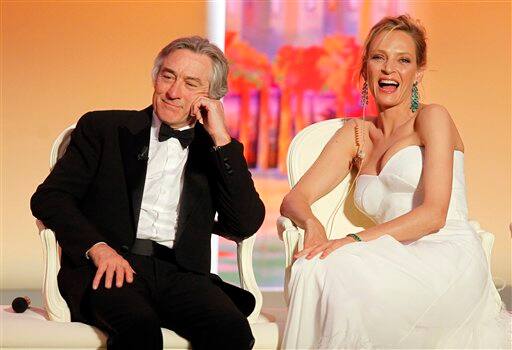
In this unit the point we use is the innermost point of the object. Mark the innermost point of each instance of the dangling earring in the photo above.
(364, 95)
(415, 98)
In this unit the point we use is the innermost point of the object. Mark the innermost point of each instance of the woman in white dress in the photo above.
(418, 278)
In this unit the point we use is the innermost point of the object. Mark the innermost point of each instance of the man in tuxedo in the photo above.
(133, 201)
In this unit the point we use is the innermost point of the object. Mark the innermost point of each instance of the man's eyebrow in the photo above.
(194, 79)
(169, 70)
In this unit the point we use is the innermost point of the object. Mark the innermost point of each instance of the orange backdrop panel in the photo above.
(60, 60)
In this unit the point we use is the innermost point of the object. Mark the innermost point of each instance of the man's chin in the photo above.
(173, 121)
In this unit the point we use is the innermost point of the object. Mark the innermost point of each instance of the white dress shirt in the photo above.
(159, 210)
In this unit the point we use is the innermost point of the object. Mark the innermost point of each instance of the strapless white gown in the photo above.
(436, 292)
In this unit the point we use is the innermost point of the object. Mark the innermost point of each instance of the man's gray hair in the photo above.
(199, 45)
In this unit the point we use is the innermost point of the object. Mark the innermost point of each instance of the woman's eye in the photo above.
(377, 57)
(405, 60)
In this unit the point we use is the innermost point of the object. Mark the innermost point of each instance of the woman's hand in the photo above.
(314, 235)
(325, 248)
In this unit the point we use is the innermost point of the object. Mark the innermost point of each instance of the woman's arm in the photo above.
(329, 170)
(437, 132)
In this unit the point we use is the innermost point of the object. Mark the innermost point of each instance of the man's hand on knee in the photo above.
(110, 263)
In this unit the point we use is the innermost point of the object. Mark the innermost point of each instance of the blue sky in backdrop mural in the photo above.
(292, 63)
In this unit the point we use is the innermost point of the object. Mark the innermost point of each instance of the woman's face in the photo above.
(392, 69)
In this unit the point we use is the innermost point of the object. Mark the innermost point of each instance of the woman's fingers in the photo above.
(316, 250)
(303, 252)
(330, 248)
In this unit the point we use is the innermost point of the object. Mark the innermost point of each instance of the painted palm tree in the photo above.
(338, 67)
(250, 70)
(295, 72)
(309, 79)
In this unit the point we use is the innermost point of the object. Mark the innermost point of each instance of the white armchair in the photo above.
(265, 331)
(304, 150)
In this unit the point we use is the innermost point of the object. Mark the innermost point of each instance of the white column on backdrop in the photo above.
(216, 31)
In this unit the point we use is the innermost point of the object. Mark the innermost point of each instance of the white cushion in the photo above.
(32, 330)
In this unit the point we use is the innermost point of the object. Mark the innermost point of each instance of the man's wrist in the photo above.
(221, 141)
(221, 138)
(89, 250)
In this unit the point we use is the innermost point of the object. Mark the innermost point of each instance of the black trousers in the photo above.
(164, 295)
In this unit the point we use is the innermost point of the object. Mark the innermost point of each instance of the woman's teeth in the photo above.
(383, 83)
(388, 86)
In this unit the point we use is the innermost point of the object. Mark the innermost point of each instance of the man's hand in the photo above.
(109, 263)
(210, 113)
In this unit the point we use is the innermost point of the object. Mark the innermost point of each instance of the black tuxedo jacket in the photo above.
(94, 194)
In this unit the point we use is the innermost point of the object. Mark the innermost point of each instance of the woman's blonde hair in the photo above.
(404, 23)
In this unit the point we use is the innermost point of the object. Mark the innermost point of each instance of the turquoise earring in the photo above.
(415, 98)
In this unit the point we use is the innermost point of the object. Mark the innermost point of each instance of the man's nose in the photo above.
(174, 90)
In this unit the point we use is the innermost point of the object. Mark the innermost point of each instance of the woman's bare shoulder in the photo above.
(350, 134)
(433, 112)
(435, 118)
(367, 124)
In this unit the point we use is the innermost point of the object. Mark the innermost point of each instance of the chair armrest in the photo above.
(487, 239)
(246, 274)
(55, 305)
(248, 282)
(283, 224)
(293, 239)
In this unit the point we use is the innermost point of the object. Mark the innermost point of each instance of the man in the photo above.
(133, 201)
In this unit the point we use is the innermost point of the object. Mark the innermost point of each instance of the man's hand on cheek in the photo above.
(210, 113)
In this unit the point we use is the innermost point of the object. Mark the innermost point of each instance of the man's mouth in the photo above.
(388, 85)
(170, 104)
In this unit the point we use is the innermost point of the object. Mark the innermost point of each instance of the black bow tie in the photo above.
(185, 137)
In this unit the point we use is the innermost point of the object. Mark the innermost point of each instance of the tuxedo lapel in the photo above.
(134, 144)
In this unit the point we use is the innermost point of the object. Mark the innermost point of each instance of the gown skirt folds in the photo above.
(433, 293)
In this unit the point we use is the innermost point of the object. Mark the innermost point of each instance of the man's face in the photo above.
(183, 77)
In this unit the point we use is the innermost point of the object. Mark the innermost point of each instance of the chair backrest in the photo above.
(304, 150)
(60, 145)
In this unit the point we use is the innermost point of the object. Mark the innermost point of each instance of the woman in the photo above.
(419, 277)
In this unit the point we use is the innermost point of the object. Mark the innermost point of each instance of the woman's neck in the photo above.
(392, 118)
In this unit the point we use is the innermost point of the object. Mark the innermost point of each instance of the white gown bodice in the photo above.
(399, 188)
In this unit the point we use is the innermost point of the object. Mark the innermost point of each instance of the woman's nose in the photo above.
(388, 67)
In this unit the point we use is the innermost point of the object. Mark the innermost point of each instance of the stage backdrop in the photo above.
(294, 63)
(62, 59)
